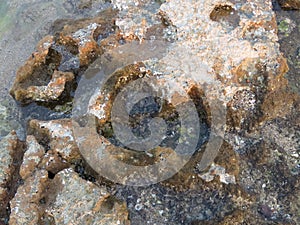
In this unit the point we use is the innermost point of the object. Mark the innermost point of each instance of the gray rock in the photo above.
(75, 201)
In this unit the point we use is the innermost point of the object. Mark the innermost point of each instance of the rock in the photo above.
(46, 197)
(36, 158)
(258, 165)
(53, 162)
(282, 134)
(136, 17)
(56, 136)
(11, 152)
(25, 206)
(52, 91)
(289, 4)
(279, 104)
(49, 73)
(32, 157)
(255, 64)
(243, 110)
(238, 43)
(37, 71)
(75, 201)
(100, 106)
(83, 35)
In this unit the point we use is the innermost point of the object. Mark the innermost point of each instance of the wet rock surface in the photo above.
(253, 179)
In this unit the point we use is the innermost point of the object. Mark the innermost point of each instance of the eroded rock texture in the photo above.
(290, 4)
(11, 151)
(50, 186)
(225, 52)
(48, 75)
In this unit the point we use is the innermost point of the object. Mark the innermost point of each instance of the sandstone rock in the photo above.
(53, 162)
(283, 134)
(35, 158)
(244, 55)
(243, 110)
(238, 42)
(100, 106)
(53, 90)
(258, 175)
(136, 17)
(42, 199)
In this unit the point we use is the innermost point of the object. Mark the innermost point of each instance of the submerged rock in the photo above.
(10, 118)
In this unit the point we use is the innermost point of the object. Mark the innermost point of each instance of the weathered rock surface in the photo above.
(25, 206)
(37, 71)
(67, 199)
(290, 4)
(57, 136)
(254, 179)
(11, 152)
(52, 69)
(32, 157)
(49, 189)
(72, 200)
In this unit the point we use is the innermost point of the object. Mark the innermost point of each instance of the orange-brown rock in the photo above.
(289, 4)
(11, 152)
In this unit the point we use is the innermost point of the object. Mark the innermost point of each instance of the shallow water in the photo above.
(22, 25)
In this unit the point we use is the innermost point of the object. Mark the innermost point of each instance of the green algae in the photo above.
(284, 27)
